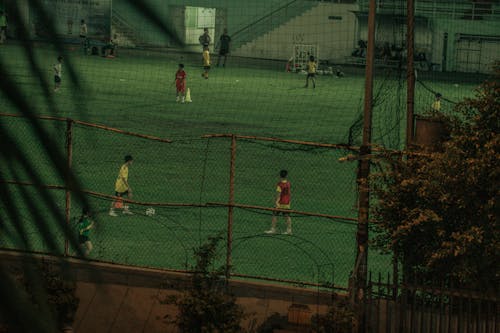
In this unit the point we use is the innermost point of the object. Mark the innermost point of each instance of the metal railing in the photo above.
(436, 9)
(431, 307)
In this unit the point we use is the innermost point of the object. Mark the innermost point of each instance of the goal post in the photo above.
(301, 54)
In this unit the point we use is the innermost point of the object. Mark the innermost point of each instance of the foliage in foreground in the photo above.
(338, 319)
(439, 212)
(206, 306)
(53, 296)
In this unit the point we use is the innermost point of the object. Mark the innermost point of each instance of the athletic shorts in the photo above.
(82, 239)
(57, 79)
(223, 52)
(311, 75)
(181, 87)
(282, 206)
(121, 194)
(206, 67)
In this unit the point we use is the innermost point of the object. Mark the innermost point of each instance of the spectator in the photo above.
(224, 43)
(83, 36)
(361, 50)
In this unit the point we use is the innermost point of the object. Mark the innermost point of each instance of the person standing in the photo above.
(85, 223)
(206, 62)
(3, 27)
(311, 72)
(58, 73)
(122, 188)
(436, 105)
(83, 36)
(282, 201)
(224, 43)
(205, 39)
(180, 84)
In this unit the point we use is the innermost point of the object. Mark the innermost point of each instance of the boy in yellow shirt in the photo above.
(311, 72)
(122, 188)
(436, 105)
(206, 62)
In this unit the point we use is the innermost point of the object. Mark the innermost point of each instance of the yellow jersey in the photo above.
(122, 180)
(436, 106)
(206, 58)
(311, 67)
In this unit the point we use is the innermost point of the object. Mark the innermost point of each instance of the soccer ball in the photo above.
(150, 211)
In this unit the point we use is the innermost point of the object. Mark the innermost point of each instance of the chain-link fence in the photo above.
(188, 189)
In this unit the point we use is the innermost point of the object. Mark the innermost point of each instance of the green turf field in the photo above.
(135, 92)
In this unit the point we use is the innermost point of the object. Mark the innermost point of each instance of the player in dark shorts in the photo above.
(224, 43)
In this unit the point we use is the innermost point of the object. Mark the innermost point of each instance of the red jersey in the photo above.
(180, 80)
(283, 188)
(180, 75)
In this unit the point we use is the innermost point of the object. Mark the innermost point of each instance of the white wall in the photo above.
(335, 38)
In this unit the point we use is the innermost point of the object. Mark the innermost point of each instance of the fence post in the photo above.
(230, 207)
(359, 275)
(69, 157)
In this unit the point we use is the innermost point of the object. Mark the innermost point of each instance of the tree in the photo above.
(438, 211)
(206, 306)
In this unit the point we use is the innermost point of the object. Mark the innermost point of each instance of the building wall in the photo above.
(335, 37)
(239, 15)
(490, 51)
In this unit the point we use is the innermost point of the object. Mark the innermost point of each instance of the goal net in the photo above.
(301, 54)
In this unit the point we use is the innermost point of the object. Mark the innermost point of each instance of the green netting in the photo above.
(259, 92)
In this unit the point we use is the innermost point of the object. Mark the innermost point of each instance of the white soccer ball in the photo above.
(150, 211)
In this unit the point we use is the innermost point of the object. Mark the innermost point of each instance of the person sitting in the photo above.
(108, 50)
(361, 50)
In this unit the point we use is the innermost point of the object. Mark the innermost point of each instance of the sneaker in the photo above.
(288, 232)
(127, 212)
(270, 231)
(112, 213)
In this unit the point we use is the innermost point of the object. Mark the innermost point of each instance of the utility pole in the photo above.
(359, 282)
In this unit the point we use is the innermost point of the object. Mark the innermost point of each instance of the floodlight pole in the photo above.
(360, 272)
(410, 70)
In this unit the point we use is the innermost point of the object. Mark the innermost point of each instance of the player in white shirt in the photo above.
(57, 73)
(83, 36)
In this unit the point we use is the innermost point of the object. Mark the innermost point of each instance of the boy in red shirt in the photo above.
(180, 84)
(283, 196)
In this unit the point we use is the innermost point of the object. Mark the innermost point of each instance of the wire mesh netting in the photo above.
(181, 197)
(119, 61)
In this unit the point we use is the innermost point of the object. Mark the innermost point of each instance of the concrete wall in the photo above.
(394, 32)
(335, 37)
(117, 298)
(454, 28)
(239, 14)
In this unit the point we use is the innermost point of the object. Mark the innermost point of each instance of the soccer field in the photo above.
(135, 92)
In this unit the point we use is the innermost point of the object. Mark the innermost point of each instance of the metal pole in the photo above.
(410, 86)
(230, 207)
(361, 271)
(69, 156)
